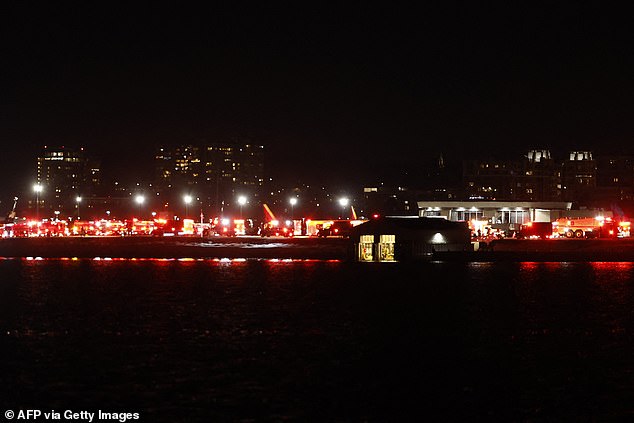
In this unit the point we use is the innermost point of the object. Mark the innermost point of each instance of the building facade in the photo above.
(65, 175)
(214, 172)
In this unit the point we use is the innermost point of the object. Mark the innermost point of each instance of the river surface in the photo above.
(316, 340)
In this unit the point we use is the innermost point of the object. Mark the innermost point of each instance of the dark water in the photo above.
(263, 340)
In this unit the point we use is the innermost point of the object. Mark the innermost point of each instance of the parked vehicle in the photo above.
(536, 230)
(275, 228)
(340, 228)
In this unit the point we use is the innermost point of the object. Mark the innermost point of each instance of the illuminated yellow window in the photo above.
(386, 247)
(366, 244)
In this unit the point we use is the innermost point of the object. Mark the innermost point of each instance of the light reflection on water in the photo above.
(257, 339)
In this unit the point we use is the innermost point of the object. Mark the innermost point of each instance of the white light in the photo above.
(242, 200)
(139, 199)
(438, 238)
(344, 202)
(78, 199)
(187, 199)
(37, 188)
(293, 201)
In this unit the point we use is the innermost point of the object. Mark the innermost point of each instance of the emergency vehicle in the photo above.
(540, 230)
(590, 227)
(275, 228)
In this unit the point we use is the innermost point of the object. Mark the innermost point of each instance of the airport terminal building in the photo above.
(504, 216)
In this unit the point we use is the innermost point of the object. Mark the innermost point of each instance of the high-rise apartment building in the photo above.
(578, 176)
(215, 172)
(65, 174)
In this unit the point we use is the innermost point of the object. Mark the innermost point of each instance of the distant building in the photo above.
(215, 172)
(539, 178)
(65, 174)
(388, 200)
(506, 216)
(579, 177)
(489, 179)
(535, 177)
(615, 178)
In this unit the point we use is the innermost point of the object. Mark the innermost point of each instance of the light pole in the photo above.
(188, 200)
(139, 200)
(293, 201)
(37, 188)
(344, 203)
(242, 200)
(78, 199)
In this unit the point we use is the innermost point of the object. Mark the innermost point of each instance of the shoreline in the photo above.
(176, 247)
(613, 250)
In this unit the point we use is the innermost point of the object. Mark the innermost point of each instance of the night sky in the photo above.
(334, 92)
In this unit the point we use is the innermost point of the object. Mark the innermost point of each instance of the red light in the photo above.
(375, 215)
(336, 230)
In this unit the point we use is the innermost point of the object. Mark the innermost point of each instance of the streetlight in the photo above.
(293, 201)
(78, 199)
(242, 200)
(188, 200)
(37, 188)
(344, 203)
(139, 200)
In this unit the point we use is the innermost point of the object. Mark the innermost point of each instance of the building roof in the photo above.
(492, 204)
(408, 223)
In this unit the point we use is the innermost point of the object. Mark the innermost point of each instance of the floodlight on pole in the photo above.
(37, 188)
(344, 203)
(242, 200)
(187, 199)
(293, 201)
(139, 200)
(78, 200)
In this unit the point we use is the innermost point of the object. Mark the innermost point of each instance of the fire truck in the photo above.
(587, 227)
